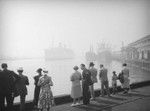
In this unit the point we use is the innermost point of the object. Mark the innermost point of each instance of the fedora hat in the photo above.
(20, 69)
(92, 64)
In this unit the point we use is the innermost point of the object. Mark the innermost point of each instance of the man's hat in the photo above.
(92, 64)
(20, 69)
(39, 70)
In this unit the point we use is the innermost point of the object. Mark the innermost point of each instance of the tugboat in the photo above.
(90, 55)
(59, 53)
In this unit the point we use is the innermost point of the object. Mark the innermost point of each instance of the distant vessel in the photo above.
(104, 53)
(90, 55)
(59, 53)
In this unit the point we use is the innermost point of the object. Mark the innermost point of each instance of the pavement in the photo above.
(136, 100)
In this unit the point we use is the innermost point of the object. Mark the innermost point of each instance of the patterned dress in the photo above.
(46, 96)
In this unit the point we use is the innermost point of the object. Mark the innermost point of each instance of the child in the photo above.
(114, 82)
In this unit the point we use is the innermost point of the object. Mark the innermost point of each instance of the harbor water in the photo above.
(61, 70)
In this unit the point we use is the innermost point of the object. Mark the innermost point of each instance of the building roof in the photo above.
(140, 40)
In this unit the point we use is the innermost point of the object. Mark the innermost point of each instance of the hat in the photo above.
(91, 64)
(45, 70)
(124, 64)
(114, 72)
(39, 70)
(4, 65)
(20, 69)
(75, 67)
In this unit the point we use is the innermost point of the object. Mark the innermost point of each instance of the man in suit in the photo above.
(22, 89)
(7, 87)
(86, 82)
(104, 80)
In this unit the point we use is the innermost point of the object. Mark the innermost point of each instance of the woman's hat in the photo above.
(45, 70)
(20, 69)
(75, 67)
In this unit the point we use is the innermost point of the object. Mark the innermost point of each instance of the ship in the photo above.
(90, 55)
(59, 53)
(104, 53)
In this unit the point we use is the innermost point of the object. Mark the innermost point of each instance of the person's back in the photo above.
(103, 74)
(86, 77)
(104, 80)
(93, 74)
(126, 82)
(1, 82)
(21, 84)
(8, 81)
(114, 78)
(125, 72)
(75, 78)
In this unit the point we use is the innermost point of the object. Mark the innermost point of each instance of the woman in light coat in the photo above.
(76, 86)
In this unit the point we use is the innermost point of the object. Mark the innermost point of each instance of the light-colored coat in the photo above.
(76, 86)
(126, 83)
(103, 74)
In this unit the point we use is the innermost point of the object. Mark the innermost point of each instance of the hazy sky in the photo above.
(27, 28)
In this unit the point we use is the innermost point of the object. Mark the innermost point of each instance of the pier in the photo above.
(137, 100)
(139, 97)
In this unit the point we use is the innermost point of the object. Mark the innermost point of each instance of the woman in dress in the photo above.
(46, 97)
(76, 86)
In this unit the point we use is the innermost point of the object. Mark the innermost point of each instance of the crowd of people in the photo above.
(13, 85)
(89, 78)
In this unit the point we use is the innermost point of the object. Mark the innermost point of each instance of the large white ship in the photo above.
(59, 53)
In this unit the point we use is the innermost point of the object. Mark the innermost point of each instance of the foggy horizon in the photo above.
(29, 27)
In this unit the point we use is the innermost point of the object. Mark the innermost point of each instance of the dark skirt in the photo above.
(36, 95)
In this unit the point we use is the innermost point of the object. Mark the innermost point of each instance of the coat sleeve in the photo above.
(27, 81)
(51, 82)
(39, 82)
(100, 74)
(71, 78)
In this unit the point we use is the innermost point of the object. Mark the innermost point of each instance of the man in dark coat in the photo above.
(7, 87)
(37, 88)
(22, 89)
(86, 82)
